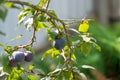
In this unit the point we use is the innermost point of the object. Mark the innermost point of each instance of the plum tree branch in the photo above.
(31, 40)
(51, 16)
(72, 21)
(42, 10)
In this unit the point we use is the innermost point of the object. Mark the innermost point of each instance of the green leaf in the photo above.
(8, 4)
(30, 49)
(52, 35)
(4, 59)
(3, 12)
(2, 33)
(1, 45)
(48, 30)
(13, 75)
(8, 49)
(46, 78)
(41, 17)
(85, 48)
(88, 67)
(18, 37)
(86, 38)
(21, 20)
(96, 46)
(83, 76)
(56, 70)
(20, 70)
(76, 42)
(11, 5)
(84, 26)
(2, 73)
(30, 67)
(72, 29)
(7, 69)
(67, 75)
(54, 53)
(61, 27)
(52, 12)
(73, 56)
(31, 77)
(77, 72)
(42, 3)
(40, 25)
(28, 23)
(23, 14)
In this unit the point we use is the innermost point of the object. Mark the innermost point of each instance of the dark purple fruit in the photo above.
(12, 63)
(28, 56)
(18, 56)
(59, 43)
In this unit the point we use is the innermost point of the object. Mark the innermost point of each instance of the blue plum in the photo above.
(59, 43)
(18, 56)
(28, 56)
(12, 63)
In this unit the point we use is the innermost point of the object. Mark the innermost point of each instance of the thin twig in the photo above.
(40, 74)
(32, 40)
(67, 20)
(72, 21)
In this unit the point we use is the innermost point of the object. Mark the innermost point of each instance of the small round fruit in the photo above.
(18, 56)
(59, 43)
(28, 56)
(12, 63)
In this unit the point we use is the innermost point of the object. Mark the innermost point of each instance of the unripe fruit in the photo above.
(28, 56)
(18, 56)
(12, 63)
(59, 43)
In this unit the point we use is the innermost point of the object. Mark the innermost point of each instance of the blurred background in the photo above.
(105, 28)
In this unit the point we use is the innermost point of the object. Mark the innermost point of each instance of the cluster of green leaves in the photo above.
(34, 19)
(81, 41)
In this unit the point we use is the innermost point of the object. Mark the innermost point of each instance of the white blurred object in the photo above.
(2, 74)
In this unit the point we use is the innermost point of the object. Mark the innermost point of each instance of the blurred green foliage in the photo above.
(107, 62)
(109, 40)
